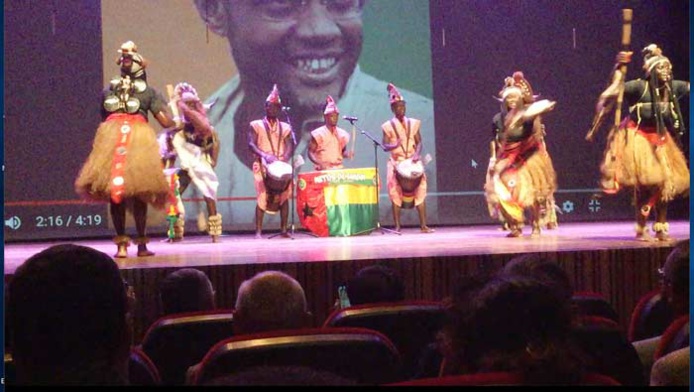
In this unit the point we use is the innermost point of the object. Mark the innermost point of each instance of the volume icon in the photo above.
(13, 223)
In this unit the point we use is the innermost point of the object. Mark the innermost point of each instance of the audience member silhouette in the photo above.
(674, 283)
(68, 310)
(375, 283)
(607, 351)
(186, 290)
(270, 300)
(518, 324)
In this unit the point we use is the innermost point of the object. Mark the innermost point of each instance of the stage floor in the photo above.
(239, 249)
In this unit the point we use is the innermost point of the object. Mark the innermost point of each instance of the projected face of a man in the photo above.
(309, 47)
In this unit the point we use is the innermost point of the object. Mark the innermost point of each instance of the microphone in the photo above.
(350, 118)
(286, 108)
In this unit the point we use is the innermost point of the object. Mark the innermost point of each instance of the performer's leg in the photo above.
(258, 221)
(284, 214)
(140, 215)
(422, 211)
(118, 219)
(661, 227)
(214, 220)
(396, 216)
(641, 210)
(515, 227)
(535, 212)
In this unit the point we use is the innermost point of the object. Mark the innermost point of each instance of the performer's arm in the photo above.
(417, 148)
(388, 143)
(612, 90)
(253, 146)
(312, 147)
(288, 147)
(345, 151)
(213, 145)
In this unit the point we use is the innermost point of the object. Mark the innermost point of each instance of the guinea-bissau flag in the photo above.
(339, 202)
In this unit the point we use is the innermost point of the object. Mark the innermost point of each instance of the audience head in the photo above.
(516, 323)
(67, 308)
(270, 300)
(375, 283)
(675, 278)
(186, 290)
(534, 266)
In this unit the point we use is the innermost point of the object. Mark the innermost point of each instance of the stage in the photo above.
(600, 257)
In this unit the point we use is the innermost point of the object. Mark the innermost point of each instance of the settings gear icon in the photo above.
(567, 206)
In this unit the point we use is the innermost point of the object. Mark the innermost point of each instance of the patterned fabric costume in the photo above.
(522, 176)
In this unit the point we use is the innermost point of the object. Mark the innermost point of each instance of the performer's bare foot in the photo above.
(284, 234)
(215, 238)
(426, 229)
(257, 235)
(535, 233)
(551, 225)
(515, 232)
(397, 228)
(142, 251)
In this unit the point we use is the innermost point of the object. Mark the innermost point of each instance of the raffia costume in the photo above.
(642, 153)
(522, 176)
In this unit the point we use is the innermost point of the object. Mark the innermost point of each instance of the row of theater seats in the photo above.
(371, 344)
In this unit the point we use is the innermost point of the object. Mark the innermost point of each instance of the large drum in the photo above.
(409, 176)
(278, 176)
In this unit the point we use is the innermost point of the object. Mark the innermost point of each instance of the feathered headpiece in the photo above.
(274, 96)
(519, 85)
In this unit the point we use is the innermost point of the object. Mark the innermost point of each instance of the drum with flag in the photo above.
(338, 203)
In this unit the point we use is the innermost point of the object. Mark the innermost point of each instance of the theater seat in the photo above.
(141, 369)
(650, 317)
(177, 341)
(362, 355)
(590, 303)
(496, 378)
(610, 353)
(410, 325)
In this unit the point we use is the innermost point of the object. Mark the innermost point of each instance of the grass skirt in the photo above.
(633, 158)
(144, 177)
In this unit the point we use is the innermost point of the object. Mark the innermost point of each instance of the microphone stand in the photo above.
(376, 144)
(293, 197)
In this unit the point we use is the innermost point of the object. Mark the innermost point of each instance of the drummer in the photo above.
(402, 138)
(328, 146)
(270, 140)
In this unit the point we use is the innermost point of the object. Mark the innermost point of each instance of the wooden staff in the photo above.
(626, 40)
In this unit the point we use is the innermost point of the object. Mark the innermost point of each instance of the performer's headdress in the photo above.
(519, 85)
(652, 56)
(274, 96)
(394, 94)
(186, 92)
(330, 106)
(129, 49)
